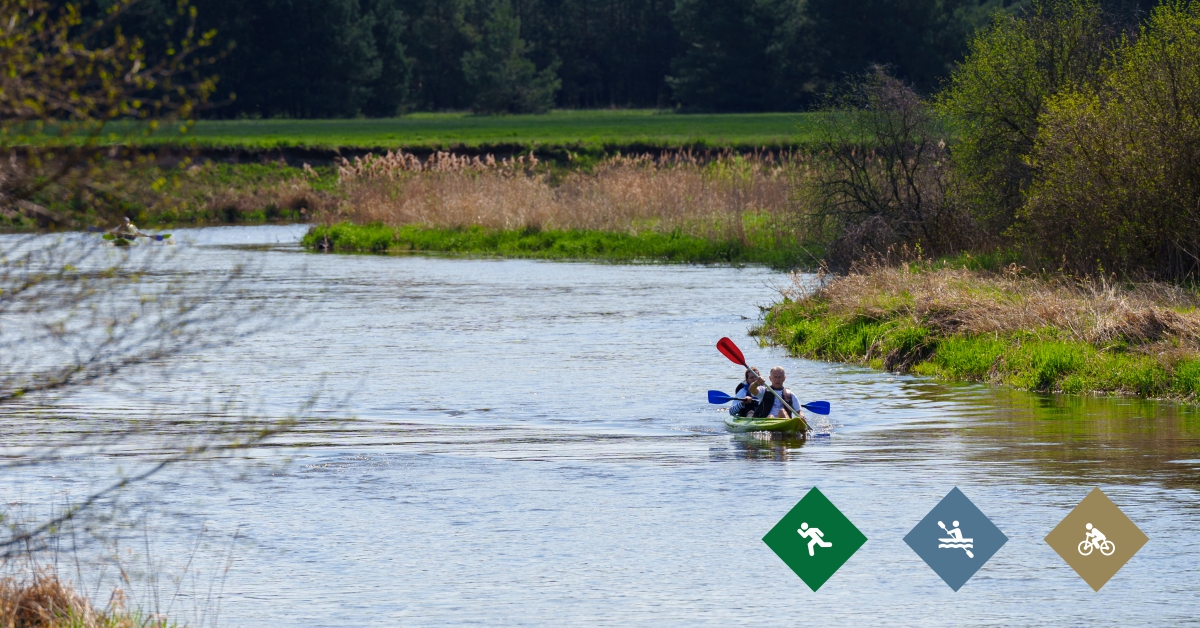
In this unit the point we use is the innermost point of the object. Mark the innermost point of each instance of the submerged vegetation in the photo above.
(1044, 333)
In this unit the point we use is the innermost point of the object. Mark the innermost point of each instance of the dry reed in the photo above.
(707, 198)
(1154, 316)
(42, 600)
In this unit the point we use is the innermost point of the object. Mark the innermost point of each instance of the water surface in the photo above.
(528, 444)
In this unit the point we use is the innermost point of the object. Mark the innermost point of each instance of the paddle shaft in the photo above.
(740, 359)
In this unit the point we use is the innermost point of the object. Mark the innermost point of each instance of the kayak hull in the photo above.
(796, 424)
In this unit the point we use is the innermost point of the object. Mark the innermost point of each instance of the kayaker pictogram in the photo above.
(815, 537)
(956, 540)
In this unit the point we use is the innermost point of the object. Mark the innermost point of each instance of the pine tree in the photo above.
(498, 71)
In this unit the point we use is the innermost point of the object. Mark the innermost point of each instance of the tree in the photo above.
(1117, 165)
(76, 314)
(300, 58)
(886, 180)
(390, 91)
(500, 73)
(999, 92)
(75, 88)
(725, 65)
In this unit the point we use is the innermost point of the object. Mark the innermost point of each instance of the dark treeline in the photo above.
(314, 58)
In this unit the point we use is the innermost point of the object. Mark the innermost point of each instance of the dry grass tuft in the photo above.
(621, 194)
(42, 600)
(1152, 315)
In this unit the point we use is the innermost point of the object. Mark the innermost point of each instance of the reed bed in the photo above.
(731, 197)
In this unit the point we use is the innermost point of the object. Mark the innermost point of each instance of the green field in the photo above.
(575, 130)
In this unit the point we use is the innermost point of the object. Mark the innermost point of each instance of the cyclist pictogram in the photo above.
(1095, 539)
(1099, 555)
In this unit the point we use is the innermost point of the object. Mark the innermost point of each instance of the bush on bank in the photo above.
(1035, 333)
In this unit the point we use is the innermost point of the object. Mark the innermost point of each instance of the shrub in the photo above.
(1120, 164)
(997, 95)
(886, 179)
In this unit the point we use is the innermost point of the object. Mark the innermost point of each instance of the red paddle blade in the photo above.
(731, 351)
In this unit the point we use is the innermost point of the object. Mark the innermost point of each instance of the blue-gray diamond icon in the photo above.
(955, 539)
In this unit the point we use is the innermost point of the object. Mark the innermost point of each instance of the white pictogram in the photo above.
(815, 535)
(956, 540)
(1095, 539)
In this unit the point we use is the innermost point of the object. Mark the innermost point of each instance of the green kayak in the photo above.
(794, 424)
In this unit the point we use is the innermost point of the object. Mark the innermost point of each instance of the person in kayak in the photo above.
(769, 404)
(127, 230)
(747, 389)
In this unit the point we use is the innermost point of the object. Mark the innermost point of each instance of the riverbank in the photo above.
(1040, 333)
(570, 244)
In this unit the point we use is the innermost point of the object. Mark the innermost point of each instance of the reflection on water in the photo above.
(529, 443)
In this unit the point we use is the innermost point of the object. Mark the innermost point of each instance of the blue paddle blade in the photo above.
(817, 407)
(158, 238)
(94, 229)
(716, 396)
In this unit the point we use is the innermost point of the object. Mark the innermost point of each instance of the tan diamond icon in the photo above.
(1096, 539)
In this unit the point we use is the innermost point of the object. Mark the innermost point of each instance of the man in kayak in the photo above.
(769, 404)
(127, 230)
(747, 388)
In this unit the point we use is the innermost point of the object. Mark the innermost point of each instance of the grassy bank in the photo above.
(575, 244)
(595, 130)
(1035, 333)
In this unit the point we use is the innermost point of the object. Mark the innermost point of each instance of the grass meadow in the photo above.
(589, 131)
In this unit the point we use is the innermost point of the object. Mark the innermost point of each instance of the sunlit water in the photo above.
(529, 443)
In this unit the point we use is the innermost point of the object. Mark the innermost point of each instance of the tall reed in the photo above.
(731, 197)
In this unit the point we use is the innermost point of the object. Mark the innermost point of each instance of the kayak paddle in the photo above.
(156, 238)
(816, 407)
(731, 351)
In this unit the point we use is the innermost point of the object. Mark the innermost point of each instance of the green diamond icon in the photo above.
(815, 539)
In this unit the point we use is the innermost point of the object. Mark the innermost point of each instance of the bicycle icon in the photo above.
(1095, 539)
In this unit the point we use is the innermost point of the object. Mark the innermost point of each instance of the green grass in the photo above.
(550, 244)
(587, 131)
(1041, 360)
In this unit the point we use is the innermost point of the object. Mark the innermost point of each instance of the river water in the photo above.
(510, 442)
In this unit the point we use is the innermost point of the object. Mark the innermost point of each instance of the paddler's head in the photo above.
(777, 377)
(752, 374)
(125, 220)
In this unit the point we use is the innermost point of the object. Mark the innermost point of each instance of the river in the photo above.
(512, 442)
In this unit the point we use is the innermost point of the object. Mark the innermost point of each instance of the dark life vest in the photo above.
(768, 402)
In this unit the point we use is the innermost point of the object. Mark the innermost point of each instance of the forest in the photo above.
(381, 58)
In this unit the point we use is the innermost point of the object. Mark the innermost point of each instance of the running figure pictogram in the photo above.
(815, 535)
(1095, 539)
